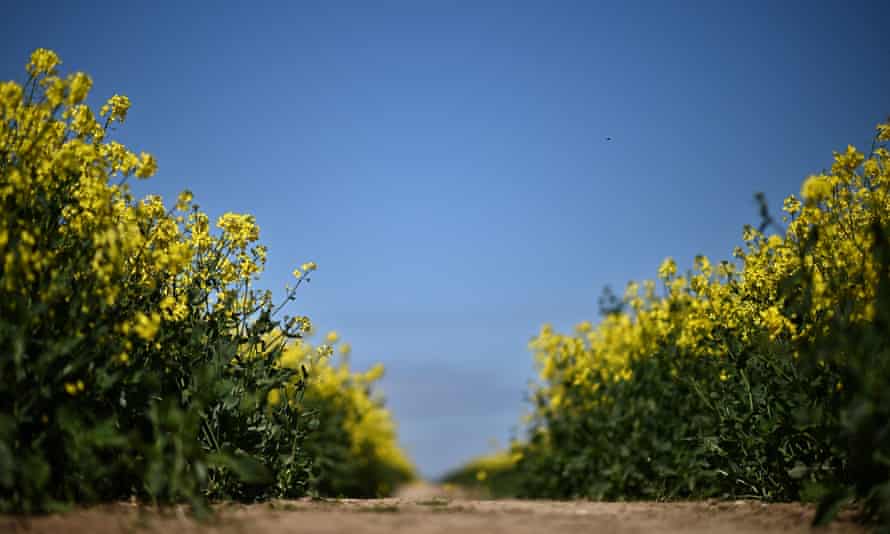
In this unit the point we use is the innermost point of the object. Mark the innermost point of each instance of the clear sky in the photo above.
(446, 162)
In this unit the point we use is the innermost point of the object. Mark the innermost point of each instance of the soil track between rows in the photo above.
(438, 514)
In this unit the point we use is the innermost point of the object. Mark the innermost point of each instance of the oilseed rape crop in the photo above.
(355, 445)
(490, 476)
(137, 357)
(764, 376)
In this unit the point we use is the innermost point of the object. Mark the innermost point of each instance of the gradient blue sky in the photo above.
(445, 163)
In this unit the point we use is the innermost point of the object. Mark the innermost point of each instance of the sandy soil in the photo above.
(428, 510)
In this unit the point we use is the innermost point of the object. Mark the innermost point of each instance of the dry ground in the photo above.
(427, 510)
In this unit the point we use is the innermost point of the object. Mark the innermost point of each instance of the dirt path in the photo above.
(428, 512)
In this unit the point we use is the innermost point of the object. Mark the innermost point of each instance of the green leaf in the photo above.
(248, 469)
(829, 506)
(798, 471)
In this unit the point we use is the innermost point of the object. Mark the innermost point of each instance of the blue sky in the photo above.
(446, 163)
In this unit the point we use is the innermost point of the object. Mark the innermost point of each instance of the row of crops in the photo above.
(766, 376)
(137, 357)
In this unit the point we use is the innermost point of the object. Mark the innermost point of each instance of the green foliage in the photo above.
(675, 431)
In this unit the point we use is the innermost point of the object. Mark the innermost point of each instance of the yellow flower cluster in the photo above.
(71, 230)
(369, 426)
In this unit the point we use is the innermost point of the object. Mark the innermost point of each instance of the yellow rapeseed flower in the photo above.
(116, 108)
(667, 269)
(239, 228)
(79, 85)
(273, 397)
(147, 166)
(43, 61)
(147, 326)
(815, 189)
(184, 200)
(10, 94)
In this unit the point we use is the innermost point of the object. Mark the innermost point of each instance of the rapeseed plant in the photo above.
(745, 378)
(137, 357)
